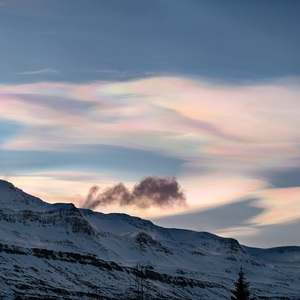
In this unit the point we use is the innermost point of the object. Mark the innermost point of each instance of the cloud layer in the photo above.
(222, 142)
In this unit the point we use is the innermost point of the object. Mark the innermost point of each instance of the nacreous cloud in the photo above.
(215, 131)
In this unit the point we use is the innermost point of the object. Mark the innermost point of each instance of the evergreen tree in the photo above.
(241, 291)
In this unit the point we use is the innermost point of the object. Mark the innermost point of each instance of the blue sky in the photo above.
(82, 41)
(101, 92)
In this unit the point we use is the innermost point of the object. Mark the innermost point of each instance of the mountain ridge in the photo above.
(81, 254)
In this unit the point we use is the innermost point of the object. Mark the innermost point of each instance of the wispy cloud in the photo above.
(224, 138)
(107, 71)
(38, 72)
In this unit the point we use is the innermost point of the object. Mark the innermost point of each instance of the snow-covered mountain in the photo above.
(57, 251)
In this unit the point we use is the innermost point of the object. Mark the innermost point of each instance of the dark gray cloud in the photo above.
(282, 234)
(225, 216)
(284, 178)
(150, 191)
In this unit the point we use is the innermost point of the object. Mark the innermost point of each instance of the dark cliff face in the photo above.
(145, 241)
(69, 219)
(67, 263)
(232, 245)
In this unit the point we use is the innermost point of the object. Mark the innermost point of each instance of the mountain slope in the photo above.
(57, 251)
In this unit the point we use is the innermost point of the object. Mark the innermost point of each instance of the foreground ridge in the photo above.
(58, 251)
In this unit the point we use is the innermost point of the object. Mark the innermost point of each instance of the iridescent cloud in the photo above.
(223, 139)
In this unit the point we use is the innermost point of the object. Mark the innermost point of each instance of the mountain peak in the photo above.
(5, 184)
(15, 199)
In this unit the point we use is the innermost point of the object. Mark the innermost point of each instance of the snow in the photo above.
(60, 251)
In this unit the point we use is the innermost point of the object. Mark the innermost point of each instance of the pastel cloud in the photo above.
(281, 205)
(186, 108)
(223, 139)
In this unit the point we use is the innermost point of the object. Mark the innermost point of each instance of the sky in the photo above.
(184, 112)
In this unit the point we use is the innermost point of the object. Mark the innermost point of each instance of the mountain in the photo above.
(58, 251)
